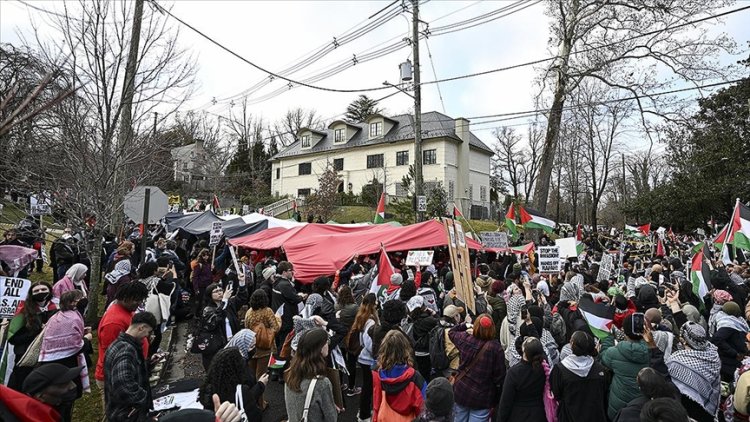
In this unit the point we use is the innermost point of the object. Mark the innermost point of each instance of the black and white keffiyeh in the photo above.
(695, 371)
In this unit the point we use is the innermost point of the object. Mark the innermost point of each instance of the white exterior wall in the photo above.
(355, 167)
(479, 175)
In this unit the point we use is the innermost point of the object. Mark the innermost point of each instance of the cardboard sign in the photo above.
(41, 209)
(549, 259)
(216, 233)
(495, 239)
(460, 263)
(419, 258)
(605, 267)
(13, 291)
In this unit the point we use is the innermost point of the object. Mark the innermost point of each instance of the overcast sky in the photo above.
(275, 34)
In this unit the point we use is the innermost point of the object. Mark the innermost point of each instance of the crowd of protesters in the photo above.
(410, 350)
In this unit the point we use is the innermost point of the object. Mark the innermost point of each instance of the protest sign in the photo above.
(419, 258)
(497, 240)
(459, 255)
(549, 259)
(13, 291)
(605, 267)
(568, 247)
(216, 233)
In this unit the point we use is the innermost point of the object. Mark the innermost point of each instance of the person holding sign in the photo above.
(30, 317)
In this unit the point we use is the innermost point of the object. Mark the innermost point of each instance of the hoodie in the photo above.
(580, 385)
(400, 389)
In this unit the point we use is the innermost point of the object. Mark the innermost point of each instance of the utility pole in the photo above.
(156, 116)
(417, 106)
(126, 117)
(624, 188)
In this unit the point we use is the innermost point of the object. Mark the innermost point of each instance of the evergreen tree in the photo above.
(360, 108)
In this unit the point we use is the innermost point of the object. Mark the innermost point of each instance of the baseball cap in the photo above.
(452, 311)
(415, 302)
(49, 374)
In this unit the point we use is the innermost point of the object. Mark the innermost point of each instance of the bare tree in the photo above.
(625, 45)
(73, 150)
(600, 127)
(295, 119)
(533, 158)
(508, 159)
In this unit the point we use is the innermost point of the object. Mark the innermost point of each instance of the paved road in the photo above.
(188, 366)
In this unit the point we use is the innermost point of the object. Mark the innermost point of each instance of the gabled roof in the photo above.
(434, 125)
(342, 122)
(317, 132)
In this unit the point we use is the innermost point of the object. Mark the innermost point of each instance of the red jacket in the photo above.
(621, 315)
(114, 321)
(18, 406)
(404, 390)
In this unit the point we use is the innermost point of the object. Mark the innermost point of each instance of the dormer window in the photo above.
(339, 135)
(376, 129)
(306, 141)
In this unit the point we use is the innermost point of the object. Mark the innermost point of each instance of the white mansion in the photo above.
(382, 148)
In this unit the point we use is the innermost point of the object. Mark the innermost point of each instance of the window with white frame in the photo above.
(402, 158)
(471, 192)
(305, 168)
(483, 193)
(375, 161)
(429, 156)
(339, 135)
(376, 129)
(306, 141)
(301, 193)
(451, 190)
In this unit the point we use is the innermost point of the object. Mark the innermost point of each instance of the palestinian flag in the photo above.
(510, 221)
(699, 275)
(457, 212)
(739, 230)
(215, 203)
(580, 247)
(599, 316)
(380, 213)
(531, 219)
(385, 269)
(523, 249)
(721, 237)
(660, 251)
(579, 232)
(274, 363)
(638, 231)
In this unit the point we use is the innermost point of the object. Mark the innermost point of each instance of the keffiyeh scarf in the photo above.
(243, 340)
(695, 371)
(122, 268)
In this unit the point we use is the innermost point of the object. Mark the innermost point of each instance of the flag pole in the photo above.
(467, 222)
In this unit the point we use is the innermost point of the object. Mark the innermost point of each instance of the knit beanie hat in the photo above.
(439, 397)
(268, 272)
(396, 279)
(732, 308)
(498, 286)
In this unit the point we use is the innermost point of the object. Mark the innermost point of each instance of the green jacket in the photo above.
(624, 360)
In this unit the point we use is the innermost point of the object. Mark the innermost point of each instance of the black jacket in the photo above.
(522, 397)
(423, 324)
(581, 399)
(730, 343)
(284, 294)
(213, 317)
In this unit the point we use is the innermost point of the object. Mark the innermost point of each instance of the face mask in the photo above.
(40, 297)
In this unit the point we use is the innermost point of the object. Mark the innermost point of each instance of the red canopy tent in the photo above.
(315, 254)
(278, 237)
(523, 249)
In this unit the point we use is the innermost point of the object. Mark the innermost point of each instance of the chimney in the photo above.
(462, 200)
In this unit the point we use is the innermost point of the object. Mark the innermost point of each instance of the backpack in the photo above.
(438, 358)
(481, 305)
(353, 343)
(408, 328)
(558, 329)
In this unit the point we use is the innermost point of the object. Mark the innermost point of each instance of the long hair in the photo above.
(30, 308)
(345, 296)
(367, 310)
(395, 349)
(533, 351)
(226, 371)
(484, 327)
(308, 362)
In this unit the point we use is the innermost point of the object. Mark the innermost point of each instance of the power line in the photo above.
(434, 73)
(291, 81)
(586, 50)
(390, 48)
